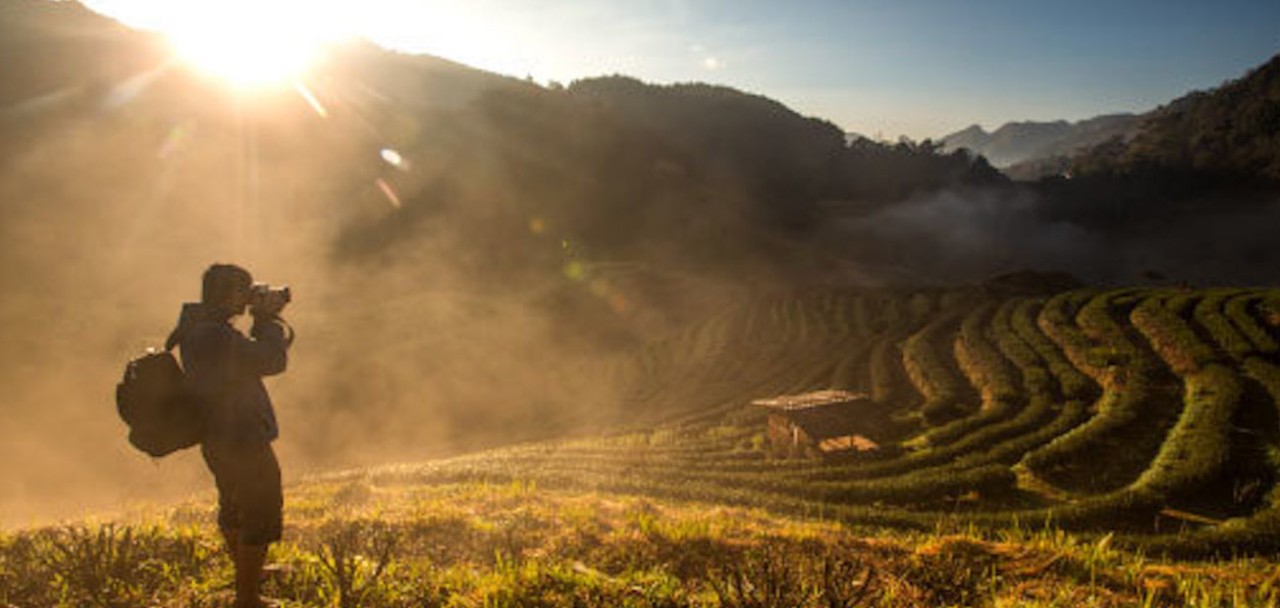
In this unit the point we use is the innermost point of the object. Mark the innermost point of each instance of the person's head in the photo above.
(226, 289)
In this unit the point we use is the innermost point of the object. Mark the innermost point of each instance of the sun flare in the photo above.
(251, 45)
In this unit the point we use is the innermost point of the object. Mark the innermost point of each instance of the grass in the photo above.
(379, 540)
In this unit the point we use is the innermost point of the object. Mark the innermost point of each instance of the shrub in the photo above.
(109, 565)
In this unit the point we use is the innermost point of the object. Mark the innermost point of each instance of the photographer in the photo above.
(224, 369)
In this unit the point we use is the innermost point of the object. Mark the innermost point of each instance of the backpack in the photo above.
(153, 399)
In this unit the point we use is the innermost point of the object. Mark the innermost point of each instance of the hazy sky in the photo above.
(875, 67)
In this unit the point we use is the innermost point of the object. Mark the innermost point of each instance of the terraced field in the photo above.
(1150, 413)
(1079, 448)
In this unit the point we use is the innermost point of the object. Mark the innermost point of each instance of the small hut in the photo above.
(820, 424)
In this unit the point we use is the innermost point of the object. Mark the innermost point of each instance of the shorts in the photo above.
(250, 499)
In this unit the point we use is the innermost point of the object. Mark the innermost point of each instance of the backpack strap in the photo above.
(288, 341)
(190, 313)
(172, 340)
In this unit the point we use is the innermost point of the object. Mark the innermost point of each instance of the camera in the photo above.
(266, 299)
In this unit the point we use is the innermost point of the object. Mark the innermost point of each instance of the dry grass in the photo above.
(375, 540)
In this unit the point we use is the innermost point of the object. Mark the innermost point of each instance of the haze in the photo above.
(479, 260)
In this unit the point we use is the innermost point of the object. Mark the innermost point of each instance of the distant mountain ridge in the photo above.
(1017, 142)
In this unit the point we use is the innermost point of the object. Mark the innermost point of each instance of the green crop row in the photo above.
(946, 433)
(923, 487)
(1181, 301)
(1113, 351)
(1170, 337)
(1134, 413)
(1003, 442)
(1199, 443)
(1257, 533)
(1057, 321)
(1148, 438)
(1069, 458)
(1069, 416)
(927, 367)
(787, 478)
(851, 367)
(1072, 383)
(1209, 315)
(982, 360)
(1035, 375)
(1238, 310)
(888, 379)
(986, 368)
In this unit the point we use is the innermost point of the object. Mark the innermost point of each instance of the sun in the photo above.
(251, 45)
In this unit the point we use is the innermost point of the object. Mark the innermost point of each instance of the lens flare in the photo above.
(389, 192)
(395, 159)
(310, 98)
(251, 44)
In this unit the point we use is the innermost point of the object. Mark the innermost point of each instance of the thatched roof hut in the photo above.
(821, 423)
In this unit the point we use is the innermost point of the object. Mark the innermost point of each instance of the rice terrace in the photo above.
(1033, 449)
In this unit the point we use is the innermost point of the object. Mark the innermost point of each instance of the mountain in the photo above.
(1018, 142)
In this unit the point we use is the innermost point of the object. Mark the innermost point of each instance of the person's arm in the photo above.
(266, 353)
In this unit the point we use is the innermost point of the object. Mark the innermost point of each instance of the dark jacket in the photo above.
(224, 369)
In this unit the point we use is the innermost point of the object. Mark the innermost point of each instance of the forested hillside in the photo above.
(1229, 132)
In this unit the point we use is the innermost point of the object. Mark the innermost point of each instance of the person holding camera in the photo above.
(224, 370)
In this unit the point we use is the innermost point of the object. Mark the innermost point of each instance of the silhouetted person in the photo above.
(224, 368)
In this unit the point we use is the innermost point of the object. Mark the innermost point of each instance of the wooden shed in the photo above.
(821, 424)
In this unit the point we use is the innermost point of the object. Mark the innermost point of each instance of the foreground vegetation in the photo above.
(374, 539)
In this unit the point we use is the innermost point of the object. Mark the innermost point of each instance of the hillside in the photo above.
(1199, 141)
(1228, 133)
(1145, 421)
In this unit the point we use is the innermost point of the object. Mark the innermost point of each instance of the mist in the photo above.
(422, 349)
(475, 260)
(969, 235)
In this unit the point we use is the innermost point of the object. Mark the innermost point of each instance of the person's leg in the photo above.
(249, 562)
(261, 517)
(226, 479)
(231, 536)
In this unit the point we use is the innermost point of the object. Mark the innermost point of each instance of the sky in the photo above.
(876, 67)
